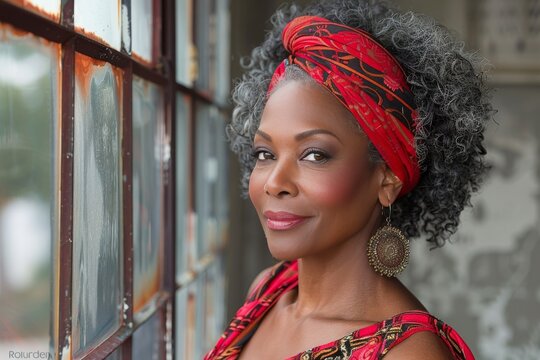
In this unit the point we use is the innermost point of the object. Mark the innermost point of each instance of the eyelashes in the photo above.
(314, 155)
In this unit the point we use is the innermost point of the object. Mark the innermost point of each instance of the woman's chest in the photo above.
(281, 337)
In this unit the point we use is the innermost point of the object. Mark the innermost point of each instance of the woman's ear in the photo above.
(390, 186)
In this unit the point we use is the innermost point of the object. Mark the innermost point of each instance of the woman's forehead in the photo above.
(297, 102)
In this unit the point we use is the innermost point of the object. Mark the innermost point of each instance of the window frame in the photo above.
(162, 73)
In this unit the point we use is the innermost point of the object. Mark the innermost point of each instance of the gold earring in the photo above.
(388, 250)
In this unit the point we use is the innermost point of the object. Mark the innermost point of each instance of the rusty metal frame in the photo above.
(169, 269)
(162, 71)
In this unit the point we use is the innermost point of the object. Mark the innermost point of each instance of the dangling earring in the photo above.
(388, 250)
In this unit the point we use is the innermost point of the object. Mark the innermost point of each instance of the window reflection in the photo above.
(185, 68)
(28, 70)
(97, 230)
(148, 153)
(101, 20)
(182, 177)
(211, 202)
(142, 15)
(147, 344)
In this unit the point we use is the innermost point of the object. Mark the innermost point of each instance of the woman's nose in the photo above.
(281, 180)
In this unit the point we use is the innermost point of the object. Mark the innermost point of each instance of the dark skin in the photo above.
(313, 163)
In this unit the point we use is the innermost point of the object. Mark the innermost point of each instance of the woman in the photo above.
(349, 108)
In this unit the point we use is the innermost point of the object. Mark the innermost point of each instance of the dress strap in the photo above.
(406, 324)
(283, 277)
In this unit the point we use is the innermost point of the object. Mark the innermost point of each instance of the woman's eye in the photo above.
(316, 156)
(263, 155)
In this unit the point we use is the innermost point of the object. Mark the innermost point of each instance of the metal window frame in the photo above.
(163, 74)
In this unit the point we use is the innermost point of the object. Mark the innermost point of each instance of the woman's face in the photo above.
(312, 186)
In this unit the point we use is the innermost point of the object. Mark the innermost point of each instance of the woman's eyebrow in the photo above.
(264, 135)
(308, 133)
(300, 136)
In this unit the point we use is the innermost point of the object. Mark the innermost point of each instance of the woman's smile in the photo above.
(282, 220)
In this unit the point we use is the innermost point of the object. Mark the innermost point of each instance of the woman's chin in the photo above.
(282, 253)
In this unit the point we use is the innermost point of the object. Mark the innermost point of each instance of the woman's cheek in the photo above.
(336, 188)
(255, 187)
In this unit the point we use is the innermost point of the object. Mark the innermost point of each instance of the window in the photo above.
(113, 177)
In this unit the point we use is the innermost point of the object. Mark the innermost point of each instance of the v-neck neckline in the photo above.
(365, 331)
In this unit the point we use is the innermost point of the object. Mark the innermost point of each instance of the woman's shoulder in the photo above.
(421, 345)
(421, 335)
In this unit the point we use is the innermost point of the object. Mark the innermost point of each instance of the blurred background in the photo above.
(122, 231)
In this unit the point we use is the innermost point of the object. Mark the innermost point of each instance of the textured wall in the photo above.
(486, 283)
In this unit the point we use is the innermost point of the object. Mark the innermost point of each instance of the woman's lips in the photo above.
(282, 220)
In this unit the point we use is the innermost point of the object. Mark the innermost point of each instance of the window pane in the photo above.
(182, 179)
(184, 43)
(182, 326)
(142, 14)
(97, 206)
(148, 146)
(100, 20)
(206, 44)
(200, 316)
(147, 341)
(187, 322)
(28, 203)
(47, 8)
(215, 303)
(222, 200)
(206, 178)
(116, 355)
(223, 51)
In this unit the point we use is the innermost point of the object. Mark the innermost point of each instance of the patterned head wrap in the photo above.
(366, 79)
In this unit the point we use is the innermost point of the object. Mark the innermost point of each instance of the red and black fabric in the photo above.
(368, 343)
(366, 79)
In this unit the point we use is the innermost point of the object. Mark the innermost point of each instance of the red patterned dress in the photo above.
(371, 342)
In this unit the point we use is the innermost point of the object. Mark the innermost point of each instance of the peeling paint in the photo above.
(126, 29)
(97, 227)
(148, 138)
(66, 350)
(46, 8)
(99, 20)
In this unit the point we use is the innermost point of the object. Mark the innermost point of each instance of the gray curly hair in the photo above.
(452, 101)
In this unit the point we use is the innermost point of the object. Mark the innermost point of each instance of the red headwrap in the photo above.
(366, 79)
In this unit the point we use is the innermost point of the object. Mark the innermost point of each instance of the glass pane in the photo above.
(97, 206)
(186, 327)
(222, 200)
(116, 355)
(47, 8)
(148, 151)
(126, 29)
(147, 341)
(207, 167)
(200, 317)
(223, 51)
(28, 203)
(215, 303)
(182, 181)
(206, 44)
(182, 327)
(184, 42)
(142, 15)
(100, 20)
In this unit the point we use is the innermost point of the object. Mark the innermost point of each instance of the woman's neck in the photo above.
(340, 284)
